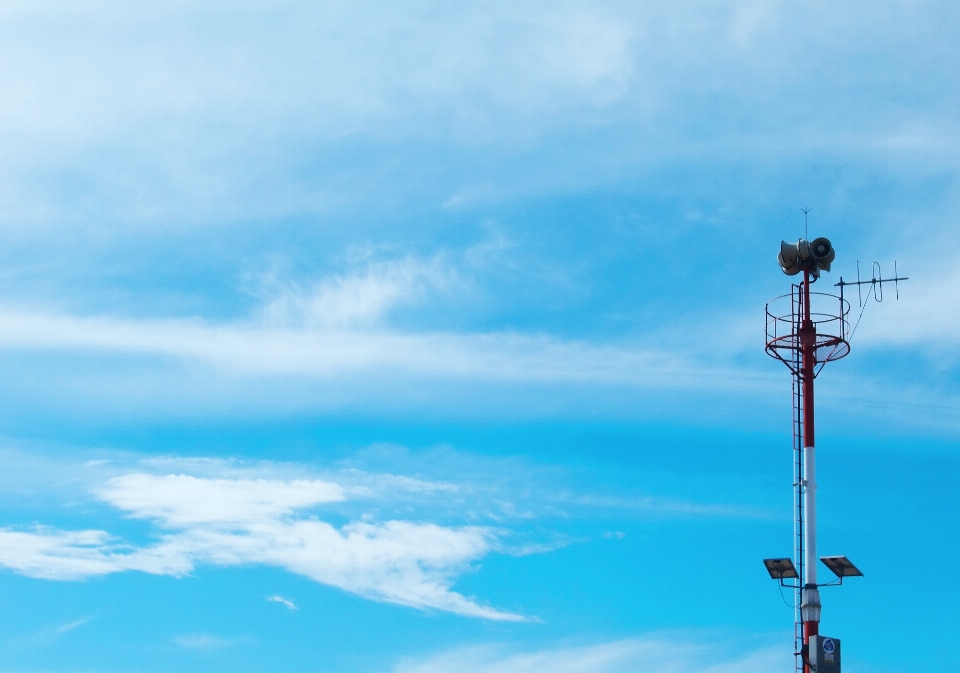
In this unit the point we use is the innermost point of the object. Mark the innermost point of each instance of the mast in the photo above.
(810, 602)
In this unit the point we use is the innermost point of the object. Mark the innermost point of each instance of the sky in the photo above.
(424, 337)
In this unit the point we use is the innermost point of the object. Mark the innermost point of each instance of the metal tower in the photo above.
(805, 330)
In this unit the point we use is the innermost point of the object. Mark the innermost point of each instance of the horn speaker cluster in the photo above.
(815, 256)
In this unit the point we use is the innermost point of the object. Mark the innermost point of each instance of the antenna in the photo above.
(876, 283)
(876, 288)
(806, 232)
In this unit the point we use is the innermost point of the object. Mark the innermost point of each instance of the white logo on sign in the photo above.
(828, 645)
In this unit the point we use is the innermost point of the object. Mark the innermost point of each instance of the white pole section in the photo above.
(810, 515)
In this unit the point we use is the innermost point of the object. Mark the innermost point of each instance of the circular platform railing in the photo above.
(830, 316)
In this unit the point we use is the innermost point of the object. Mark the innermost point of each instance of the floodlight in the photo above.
(780, 568)
(841, 566)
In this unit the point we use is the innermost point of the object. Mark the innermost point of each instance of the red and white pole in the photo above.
(810, 604)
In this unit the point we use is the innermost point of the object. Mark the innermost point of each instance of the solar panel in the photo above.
(841, 566)
(780, 568)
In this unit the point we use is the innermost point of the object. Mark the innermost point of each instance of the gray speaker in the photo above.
(789, 258)
(823, 253)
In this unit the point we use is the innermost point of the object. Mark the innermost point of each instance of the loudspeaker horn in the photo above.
(789, 258)
(823, 253)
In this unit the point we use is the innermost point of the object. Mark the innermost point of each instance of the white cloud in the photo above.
(357, 299)
(283, 601)
(927, 313)
(47, 635)
(246, 349)
(233, 513)
(649, 654)
(239, 522)
(670, 507)
(204, 641)
(70, 626)
(53, 554)
(294, 50)
(179, 500)
(333, 338)
(281, 77)
(402, 542)
(230, 126)
(217, 124)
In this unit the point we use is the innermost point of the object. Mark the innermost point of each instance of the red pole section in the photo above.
(810, 606)
(808, 334)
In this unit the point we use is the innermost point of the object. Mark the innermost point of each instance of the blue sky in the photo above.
(422, 337)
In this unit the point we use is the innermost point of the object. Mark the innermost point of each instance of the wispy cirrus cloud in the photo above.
(319, 91)
(70, 626)
(179, 500)
(286, 602)
(361, 298)
(247, 349)
(404, 540)
(339, 336)
(205, 641)
(651, 654)
(46, 635)
(226, 523)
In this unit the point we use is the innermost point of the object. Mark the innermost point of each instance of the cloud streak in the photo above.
(209, 512)
(205, 641)
(253, 350)
(650, 654)
(286, 602)
(179, 500)
(242, 522)
(357, 299)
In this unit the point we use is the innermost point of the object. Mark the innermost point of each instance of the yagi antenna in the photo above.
(876, 287)
(876, 283)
